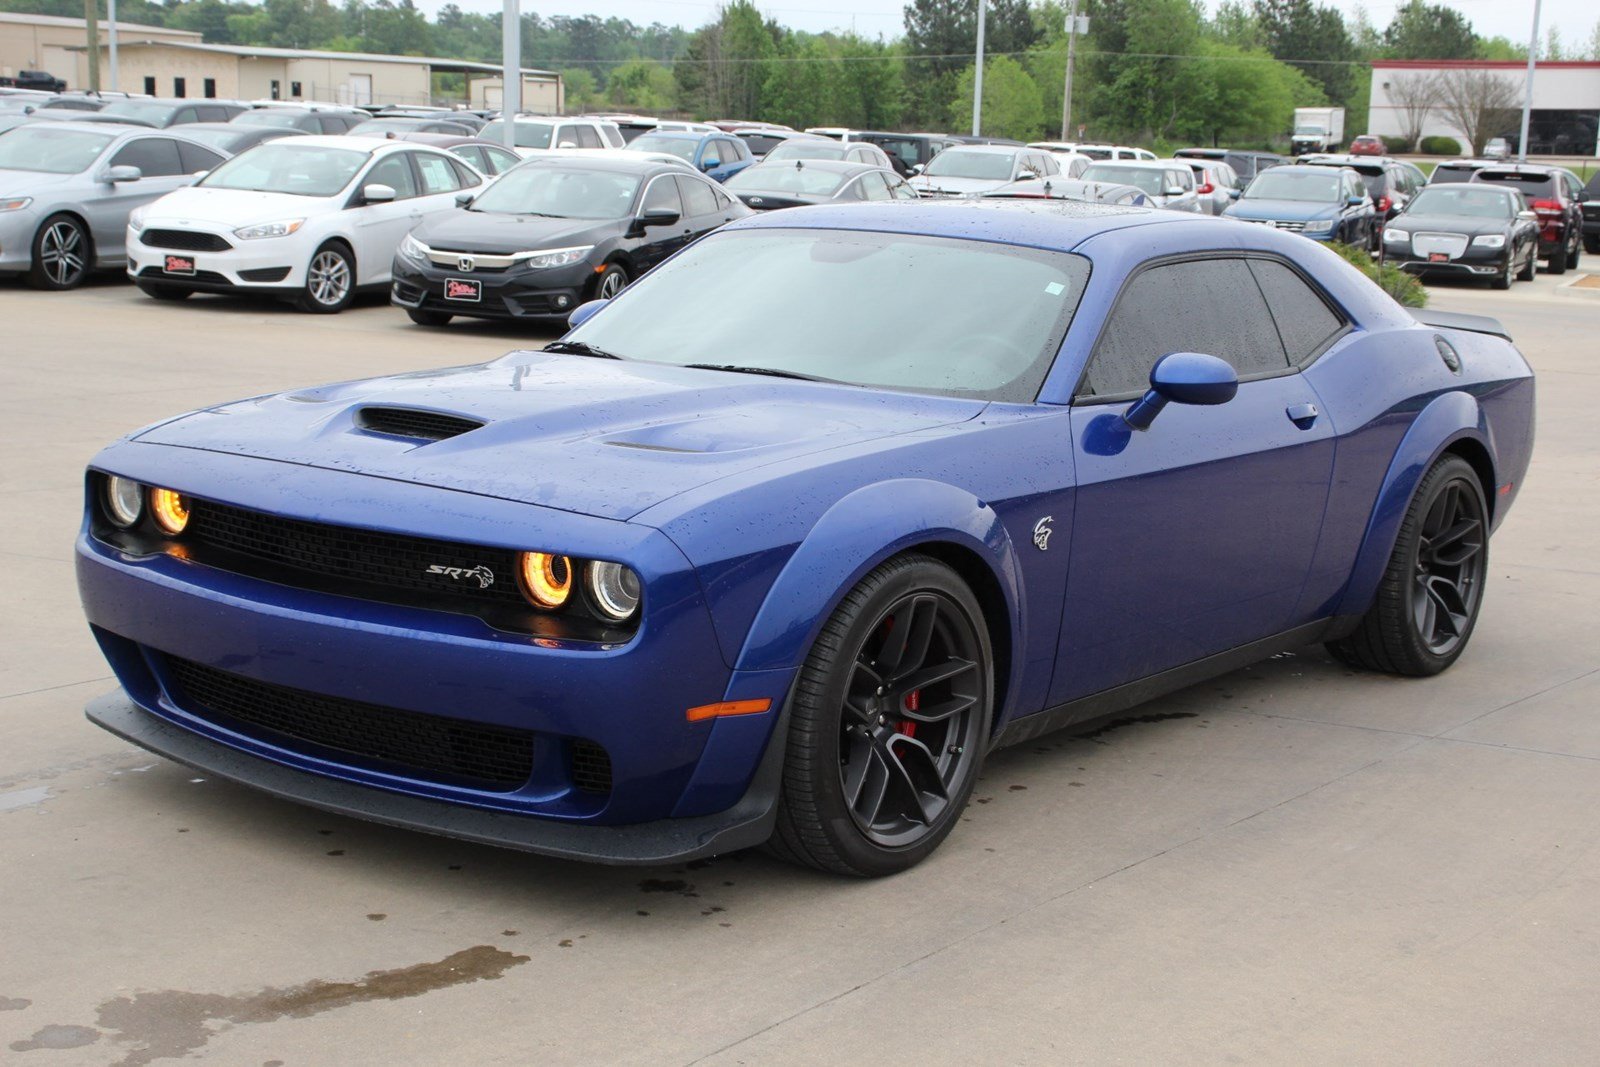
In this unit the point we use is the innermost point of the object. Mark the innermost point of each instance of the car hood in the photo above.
(586, 435)
(1282, 210)
(1450, 224)
(23, 182)
(233, 208)
(493, 233)
(956, 185)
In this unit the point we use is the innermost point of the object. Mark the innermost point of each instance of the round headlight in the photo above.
(124, 500)
(546, 579)
(170, 510)
(614, 590)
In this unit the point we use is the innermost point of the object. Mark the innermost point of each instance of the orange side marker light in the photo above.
(729, 707)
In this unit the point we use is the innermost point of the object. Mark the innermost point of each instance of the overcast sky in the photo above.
(873, 18)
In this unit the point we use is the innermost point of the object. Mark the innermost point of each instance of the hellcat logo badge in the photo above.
(481, 574)
(1042, 531)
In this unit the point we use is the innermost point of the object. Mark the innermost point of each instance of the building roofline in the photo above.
(264, 52)
(19, 18)
(1483, 64)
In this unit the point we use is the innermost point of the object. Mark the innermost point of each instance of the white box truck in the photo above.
(1317, 129)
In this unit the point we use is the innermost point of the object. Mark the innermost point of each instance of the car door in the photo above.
(1196, 535)
(656, 243)
(161, 171)
(379, 227)
(701, 214)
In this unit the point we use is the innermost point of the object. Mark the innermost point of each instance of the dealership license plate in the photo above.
(179, 265)
(463, 289)
(1438, 257)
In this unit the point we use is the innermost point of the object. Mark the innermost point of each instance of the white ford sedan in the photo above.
(311, 219)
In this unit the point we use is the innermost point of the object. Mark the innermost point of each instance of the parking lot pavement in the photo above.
(1294, 862)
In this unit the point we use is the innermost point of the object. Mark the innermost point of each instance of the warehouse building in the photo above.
(49, 43)
(1565, 118)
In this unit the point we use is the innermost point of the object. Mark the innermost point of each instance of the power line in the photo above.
(896, 58)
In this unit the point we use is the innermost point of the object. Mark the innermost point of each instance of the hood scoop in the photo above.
(414, 423)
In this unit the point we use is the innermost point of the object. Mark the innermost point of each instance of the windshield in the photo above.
(807, 150)
(269, 117)
(302, 170)
(682, 147)
(138, 109)
(51, 151)
(1474, 203)
(1147, 181)
(788, 179)
(1315, 187)
(1445, 174)
(529, 134)
(923, 314)
(562, 193)
(986, 166)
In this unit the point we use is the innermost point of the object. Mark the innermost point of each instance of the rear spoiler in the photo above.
(1450, 320)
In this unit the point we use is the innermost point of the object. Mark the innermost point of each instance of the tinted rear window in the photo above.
(1531, 184)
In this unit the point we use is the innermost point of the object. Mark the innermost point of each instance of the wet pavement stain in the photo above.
(173, 1023)
(56, 1036)
(664, 885)
(1117, 724)
(14, 1003)
(377, 916)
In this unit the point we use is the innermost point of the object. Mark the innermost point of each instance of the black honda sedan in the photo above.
(552, 234)
(1465, 229)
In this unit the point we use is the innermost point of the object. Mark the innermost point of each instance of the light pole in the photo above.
(511, 76)
(1527, 89)
(1066, 88)
(977, 80)
(91, 26)
(111, 39)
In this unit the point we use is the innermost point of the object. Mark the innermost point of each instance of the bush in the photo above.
(1405, 288)
(1441, 146)
(1396, 145)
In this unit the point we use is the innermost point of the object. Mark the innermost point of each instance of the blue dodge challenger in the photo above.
(777, 545)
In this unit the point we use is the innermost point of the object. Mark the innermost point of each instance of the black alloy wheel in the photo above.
(888, 723)
(61, 254)
(1507, 274)
(611, 282)
(1428, 601)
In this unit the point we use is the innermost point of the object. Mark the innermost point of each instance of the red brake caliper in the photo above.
(913, 702)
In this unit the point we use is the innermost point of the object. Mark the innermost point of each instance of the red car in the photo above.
(1368, 145)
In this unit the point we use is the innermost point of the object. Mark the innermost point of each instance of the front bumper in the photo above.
(17, 229)
(273, 265)
(1478, 263)
(518, 293)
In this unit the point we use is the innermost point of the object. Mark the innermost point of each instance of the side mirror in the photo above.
(1234, 194)
(584, 312)
(659, 216)
(709, 164)
(1355, 201)
(463, 199)
(1026, 176)
(1183, 378)
(567, 144)
(1531, 216)
(916, 168)
(378, 193)
(1176, 190)
(123, 174)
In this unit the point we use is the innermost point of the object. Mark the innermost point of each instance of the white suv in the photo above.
(538, 133)
(312, 219)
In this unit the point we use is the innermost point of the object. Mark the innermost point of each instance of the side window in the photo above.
(564, 138)
(1305, 321)
(662, 196)
(393, 171)
(195, 159)
(156, 157)
(724, 201)
(697, 197)
(711, 156)
(899, 188)
(739, 149)
(612, 135)
(438, 176)
(465, 178)
(873, 187)
(472, 154)
(587, 137)
(1210, 306)
(1048, 165)
(500, 160)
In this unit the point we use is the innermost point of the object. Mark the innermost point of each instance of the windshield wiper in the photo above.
(580, 348)
(773, 372)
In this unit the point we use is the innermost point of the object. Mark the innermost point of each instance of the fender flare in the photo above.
(856, 534)
(1447, 419)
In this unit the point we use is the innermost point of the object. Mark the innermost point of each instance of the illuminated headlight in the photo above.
(554, 257)
(136, 220)
(546, 579)
(414, 248)
(1393, 236)
(269, 229)
(16, 203)
(170, 509)
(614, 590)
(1326, 226)
(123, 499)
(1490, 240)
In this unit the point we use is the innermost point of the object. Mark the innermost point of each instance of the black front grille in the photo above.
(208, 277)
(344, 554)
(590, 766)
(452, 751)
(265, 274)
(409, 422)
(184, 240)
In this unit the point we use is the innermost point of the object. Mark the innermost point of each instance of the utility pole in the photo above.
(1066, 88)
(1527, 89)
(111, 39)
(511, 76)
(977, 82)
(91, 26)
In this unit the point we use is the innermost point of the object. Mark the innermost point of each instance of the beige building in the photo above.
(56, 45)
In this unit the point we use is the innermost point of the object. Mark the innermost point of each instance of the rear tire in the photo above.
(880, 764)
(1591, 244)
(163, 292)
(1558, 261)
(429, 318)
(1430, 595)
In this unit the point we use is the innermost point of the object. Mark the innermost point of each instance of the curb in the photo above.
(1572, 288)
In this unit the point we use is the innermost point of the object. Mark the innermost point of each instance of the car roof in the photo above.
(989, 149)
(367, 145)
(1142, 164)
(1532, 170)
(619, 161)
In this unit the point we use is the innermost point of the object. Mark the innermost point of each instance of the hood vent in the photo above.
(410, 422)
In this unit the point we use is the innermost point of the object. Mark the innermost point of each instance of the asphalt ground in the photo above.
(1293, 863)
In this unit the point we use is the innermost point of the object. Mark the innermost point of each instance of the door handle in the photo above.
(1302, 415)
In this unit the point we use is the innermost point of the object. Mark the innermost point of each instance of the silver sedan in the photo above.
(67, 188)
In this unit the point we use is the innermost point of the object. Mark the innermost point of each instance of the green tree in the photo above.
(581, 89)
(941, 34)
(1143, 81)
(1429, 31)
(1011, 102)
(871, 90)
(641, 85)
(1314, 40)
(800, 89)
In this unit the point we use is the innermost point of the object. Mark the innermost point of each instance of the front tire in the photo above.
(610, 282)
(61, 254)
(1531, 267)
(888, 723)
(330, 280)
(1504, 279)
(1428, 601)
